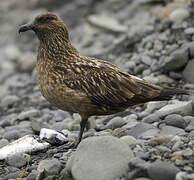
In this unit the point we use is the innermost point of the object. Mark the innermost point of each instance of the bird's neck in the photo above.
(55, 48)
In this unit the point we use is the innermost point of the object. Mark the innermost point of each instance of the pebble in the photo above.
(171, 130)
(32, 175)
(188, 71)
(189, 31)
(139, 129)
(175, 120)
(50, 166)
(160, 170)
(18, 160)
(29, 114)
(59, 126)
(104, 151)
(114, 123)
(9, 100)
(3, 142)
(151, 118)
(129, 139)
(107, 22)
(176, 60)
(178, 15)
(183, 108)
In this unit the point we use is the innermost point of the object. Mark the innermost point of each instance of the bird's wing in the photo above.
(104, 83)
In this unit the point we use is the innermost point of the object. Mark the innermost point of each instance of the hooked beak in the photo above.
(26, 27)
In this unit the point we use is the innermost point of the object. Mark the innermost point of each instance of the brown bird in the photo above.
(81, 84)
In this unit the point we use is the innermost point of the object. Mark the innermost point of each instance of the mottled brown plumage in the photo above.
(85, 85)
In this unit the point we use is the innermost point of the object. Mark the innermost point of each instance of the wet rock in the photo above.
(162, 171)
(95, 153)
(49, 166)
(18, 160)
(188, 72)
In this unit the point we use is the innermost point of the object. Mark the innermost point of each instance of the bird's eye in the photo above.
(44, 19)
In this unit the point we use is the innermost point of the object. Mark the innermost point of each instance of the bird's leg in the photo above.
(82, 127)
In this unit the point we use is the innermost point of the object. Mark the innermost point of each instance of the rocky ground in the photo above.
(151, 39)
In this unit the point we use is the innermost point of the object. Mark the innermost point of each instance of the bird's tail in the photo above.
(168, 92)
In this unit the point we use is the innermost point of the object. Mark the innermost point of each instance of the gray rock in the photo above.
(129, 139)
(3, 142)
(152, 106)
(49, 166)
(149, 134)
(171, 130)
(9, 100)
(28, 114)
(175, 120)
(183, 108)
(189, 120)
(176, 60)
(107, 22)
(114, 123)
(59, 126)
(189, 31)
(140, 128)
(162, 171)
(188, 72)
(190, 47)
(151, 118)
(18, 160)
(100, 158)
(189, 128)
(32, 175)
(26, 62)
(178, 15)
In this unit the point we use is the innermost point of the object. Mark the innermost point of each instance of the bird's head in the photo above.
(46, 25)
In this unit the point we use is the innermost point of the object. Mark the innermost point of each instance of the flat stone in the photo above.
(94, 154)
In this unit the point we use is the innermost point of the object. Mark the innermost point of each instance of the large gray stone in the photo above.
(100, 158)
